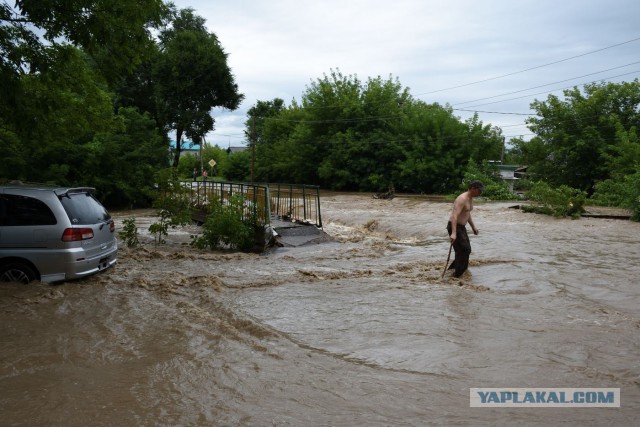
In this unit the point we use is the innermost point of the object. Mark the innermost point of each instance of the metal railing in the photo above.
(296, 202)
(287, 202)
(255, 197)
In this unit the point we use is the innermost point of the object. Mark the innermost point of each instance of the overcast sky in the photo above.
(494, 57)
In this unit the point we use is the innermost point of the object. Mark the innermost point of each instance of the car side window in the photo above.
(22, 211)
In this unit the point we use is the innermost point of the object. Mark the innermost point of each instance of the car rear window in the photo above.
(22, 211)
(83, 209)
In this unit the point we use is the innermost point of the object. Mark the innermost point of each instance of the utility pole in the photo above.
(201, 141)
(253, 144)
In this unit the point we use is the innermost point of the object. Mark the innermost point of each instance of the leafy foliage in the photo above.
(174, 204)
(588, 137)
(369, 136)
(622, 192)
(190, 161)
(227, 226)
(122, 163)
(192, 77)
(237, 166)
(129, 233)
(88, 96)
(81, 104)
(33, 34)
(560, 202)
(160, 229)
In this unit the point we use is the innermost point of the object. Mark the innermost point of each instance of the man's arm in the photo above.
(473, 227)
(457, 209)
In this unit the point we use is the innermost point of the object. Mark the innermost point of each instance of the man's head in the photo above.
(476, 185)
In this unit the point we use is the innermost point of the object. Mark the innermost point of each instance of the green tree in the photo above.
(61, 110)
(256, 116)
(122, 164)
(238, 166)
(120, 26)
(137, 89)
(243, 167)
(585, 138)
(35, 35)
(192, 77)
(440, 147)
(352, 135)
(57, 60)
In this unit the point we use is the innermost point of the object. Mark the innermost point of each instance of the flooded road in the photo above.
(358, 331)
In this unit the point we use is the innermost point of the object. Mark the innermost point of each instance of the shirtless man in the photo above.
(461, 215)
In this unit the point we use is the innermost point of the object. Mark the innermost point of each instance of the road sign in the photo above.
(212, 163)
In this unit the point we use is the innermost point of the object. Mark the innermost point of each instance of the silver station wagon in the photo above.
(53, 234)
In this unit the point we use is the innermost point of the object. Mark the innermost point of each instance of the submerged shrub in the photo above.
(232, 225)
(173, 201)
(562, 201)
(623, 192)
(129, 233)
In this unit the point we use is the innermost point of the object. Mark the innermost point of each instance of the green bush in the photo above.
(173, 201)
(623, 192)
(609, 193)
(229, 226)
(129, 233)
(160, 229)
(562, 201)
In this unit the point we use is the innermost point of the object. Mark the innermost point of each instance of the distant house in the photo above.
(511, 173)
(186, 148)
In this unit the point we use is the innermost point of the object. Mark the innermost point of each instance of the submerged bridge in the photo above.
(290, 213)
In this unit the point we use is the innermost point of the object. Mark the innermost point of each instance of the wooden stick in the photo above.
(448, 258)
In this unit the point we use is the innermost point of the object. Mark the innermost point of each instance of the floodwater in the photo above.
(358, 331)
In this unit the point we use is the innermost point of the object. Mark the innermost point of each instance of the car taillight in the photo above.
(77, 234)
(112, 226)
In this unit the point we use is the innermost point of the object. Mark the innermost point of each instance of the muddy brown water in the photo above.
(358, 331)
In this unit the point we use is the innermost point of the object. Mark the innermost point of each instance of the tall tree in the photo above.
(62, 108)
(257, 115)
(55, 60)
(587, 137)
(33, 34)
(354, 135)
(192, 77)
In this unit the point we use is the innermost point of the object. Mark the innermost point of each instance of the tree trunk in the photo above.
(176, 157)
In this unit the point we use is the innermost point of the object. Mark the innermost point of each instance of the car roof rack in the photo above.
(65, 191)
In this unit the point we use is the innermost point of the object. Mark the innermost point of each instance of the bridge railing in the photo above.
(287, 202)
(296, 202)
(256, 197)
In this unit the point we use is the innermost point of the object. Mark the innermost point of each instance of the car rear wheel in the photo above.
(17, 272)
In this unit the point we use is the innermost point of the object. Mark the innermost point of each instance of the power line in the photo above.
(470, 109)
(549, 91)
(491, 112)
(549, 84)
(532, 68)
